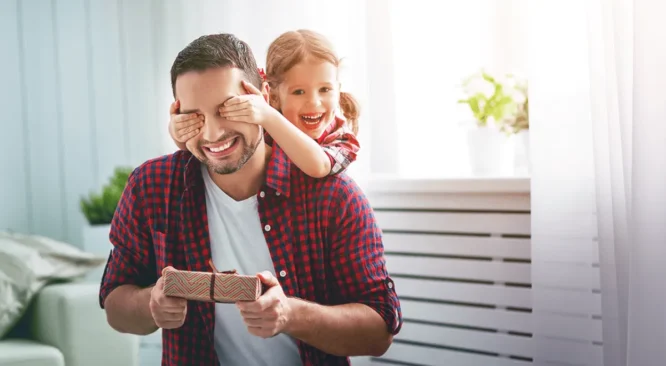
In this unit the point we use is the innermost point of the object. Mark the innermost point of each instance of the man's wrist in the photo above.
(299, 311)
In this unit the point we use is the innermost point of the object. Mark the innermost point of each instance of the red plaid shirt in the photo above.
(320, 232)
(338, 142)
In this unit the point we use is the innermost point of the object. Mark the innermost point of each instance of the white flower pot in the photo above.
(522, 153)
(490, 152)
(96, 241)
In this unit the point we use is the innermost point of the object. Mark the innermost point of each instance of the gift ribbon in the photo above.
(213, 276)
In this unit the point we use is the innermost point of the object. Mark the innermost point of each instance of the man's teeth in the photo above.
(223, 147)
(312, 119)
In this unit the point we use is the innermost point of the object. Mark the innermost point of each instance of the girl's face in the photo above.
(309, 96)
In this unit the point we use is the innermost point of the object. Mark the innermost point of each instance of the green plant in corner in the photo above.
(99, 208)
(502, 101)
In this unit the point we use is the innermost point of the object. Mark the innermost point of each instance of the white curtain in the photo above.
(598, 141)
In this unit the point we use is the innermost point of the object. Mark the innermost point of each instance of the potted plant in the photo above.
(499, 107)
(98, 208)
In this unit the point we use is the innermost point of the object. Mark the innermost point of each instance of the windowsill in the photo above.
(386, 184)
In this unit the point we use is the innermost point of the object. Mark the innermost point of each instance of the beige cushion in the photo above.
(27, 263)
(14, 352)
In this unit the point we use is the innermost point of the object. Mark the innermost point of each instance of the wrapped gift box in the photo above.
(223, 287)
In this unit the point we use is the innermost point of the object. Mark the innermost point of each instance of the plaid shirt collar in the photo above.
(278, 172)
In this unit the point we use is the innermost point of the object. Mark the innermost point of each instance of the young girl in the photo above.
(304, 91)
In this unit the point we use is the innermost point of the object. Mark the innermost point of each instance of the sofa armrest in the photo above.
(68, 317)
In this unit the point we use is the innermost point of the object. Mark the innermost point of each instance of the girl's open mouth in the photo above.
(312, 120)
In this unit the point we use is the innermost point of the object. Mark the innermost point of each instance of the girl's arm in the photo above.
(305, 152)
(341, 145)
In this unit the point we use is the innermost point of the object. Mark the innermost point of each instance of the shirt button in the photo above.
(390, 285)
(262, 194)
(267, 228)
(277, 193)
(283, 273)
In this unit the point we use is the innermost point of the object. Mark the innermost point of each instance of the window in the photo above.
(433, 47)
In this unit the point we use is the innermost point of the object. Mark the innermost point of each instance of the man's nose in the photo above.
(213, 127)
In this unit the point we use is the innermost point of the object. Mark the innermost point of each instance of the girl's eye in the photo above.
(325, 89)
(298, 92)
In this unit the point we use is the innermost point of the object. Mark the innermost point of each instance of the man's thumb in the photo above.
(166, 269)
(268, 279)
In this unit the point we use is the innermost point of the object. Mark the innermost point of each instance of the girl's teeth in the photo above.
(312, 119)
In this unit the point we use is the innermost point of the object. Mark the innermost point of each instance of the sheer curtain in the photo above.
(598, 193)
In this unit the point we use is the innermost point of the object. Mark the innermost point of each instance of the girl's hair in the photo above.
(294, 47)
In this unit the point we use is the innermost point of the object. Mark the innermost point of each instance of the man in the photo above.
(241, 202)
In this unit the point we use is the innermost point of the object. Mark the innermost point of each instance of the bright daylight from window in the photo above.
(436, 46)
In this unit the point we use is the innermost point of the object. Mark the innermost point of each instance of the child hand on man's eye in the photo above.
(183, 127)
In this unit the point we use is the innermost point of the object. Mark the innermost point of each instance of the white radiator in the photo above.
(460, 255)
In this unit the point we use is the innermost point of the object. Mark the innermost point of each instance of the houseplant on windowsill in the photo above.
(98, 209)
(498, 140)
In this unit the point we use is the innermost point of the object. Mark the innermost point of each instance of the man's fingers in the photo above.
(172, 308)
(250, 89)
(170, 324)
(169, 302)
(268, 279)
(259, 323)
(172, 317)
(250, 315)
(270, 314)
(262, 332)
(264, 302)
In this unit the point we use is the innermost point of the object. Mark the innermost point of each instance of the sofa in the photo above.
(64, 325)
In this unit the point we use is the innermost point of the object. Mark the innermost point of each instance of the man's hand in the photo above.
(168, 312)
(270, 313)
(250, 108)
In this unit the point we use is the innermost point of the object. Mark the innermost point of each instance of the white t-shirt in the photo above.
(237, 242)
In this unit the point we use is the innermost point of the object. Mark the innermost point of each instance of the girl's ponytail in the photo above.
(350, 109)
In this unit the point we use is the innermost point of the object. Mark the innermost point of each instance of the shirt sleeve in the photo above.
(131, 261)
(357, 255)
(340, 144)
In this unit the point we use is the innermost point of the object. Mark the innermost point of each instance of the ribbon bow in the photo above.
(213, 276)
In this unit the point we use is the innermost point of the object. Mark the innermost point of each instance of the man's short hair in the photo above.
(216, 50)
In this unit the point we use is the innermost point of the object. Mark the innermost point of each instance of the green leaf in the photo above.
(100, 207)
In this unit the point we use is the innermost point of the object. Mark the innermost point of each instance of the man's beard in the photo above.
(247, 152)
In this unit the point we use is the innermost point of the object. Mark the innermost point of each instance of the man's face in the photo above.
(222, 145)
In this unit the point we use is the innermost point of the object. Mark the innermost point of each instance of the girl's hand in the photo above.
(183, 127)
(249, 108)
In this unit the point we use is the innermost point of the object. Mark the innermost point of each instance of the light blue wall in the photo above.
(84, 87)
